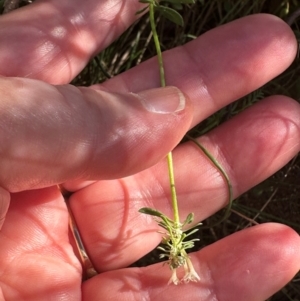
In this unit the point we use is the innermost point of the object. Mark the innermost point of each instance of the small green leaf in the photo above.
(192, 232)
(151, 211)
(161, 256)
(146, 1)
(189, 219)
(163, 226)
(168, 222)
(195, 239)
(190, 246)
(162, 249)
(170, 14)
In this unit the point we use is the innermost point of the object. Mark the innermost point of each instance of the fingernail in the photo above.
(162, 100)
(4, 203)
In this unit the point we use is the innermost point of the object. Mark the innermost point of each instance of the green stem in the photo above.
(173, 189)
(157, 46)
(163, 84)
(224, 174)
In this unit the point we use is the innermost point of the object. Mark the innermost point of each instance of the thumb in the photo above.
(53, 134)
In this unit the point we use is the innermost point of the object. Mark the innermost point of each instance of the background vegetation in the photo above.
(278, 198)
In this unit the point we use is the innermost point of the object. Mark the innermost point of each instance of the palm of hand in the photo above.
(35, 245)
(36, 256)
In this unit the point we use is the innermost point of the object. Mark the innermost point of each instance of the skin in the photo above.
(59, 134)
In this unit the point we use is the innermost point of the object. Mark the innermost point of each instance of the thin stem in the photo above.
(173, 189)
(226, 177)
(163, 84)
(157, 46)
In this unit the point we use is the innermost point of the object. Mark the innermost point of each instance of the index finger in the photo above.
(53, 40)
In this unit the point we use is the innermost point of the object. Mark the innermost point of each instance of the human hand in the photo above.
(52, 135)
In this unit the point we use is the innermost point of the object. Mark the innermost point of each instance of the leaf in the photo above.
(189, 219)
(167, 221)
(146, 1)
(170, 14)
(161, 256)
(150, 211)
(192, 232)
(163, 226)
(162, 249)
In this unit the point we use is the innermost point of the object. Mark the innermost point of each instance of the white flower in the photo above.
(174, 278)
(190, 273)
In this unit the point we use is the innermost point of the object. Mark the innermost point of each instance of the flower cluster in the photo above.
(190, 273)
(174, 245)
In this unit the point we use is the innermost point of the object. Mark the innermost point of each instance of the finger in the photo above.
(250, 147)
(282, 32)
(53, 40)
(4, 204)
(60, 36)
(220, 66)
(230, 269)
(66, 133)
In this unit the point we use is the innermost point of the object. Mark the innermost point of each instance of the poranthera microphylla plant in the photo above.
(174, 243)
(174, 240)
